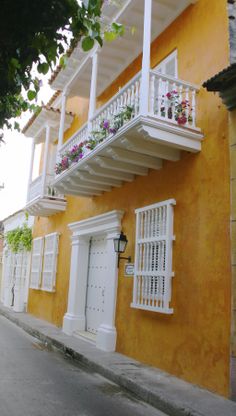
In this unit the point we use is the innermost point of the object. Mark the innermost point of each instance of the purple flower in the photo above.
(78, 157)
(74, 149)
(106, 124)
(112, 130)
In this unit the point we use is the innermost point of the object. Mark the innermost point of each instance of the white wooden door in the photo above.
(96, 283)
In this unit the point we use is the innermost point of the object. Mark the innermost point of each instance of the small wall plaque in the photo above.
(129, 269)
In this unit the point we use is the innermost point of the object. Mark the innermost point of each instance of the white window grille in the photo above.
(50, 262)
(153, 257)
(36, 264)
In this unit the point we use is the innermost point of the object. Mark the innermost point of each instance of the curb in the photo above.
(161, 399)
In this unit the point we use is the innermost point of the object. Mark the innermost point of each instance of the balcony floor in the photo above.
(139, 145)
(46, 206)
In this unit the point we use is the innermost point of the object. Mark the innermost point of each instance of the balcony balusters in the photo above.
(184, 97)
(160, 106)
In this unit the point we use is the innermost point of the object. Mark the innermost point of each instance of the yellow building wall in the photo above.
(232, 135)
(194, 342)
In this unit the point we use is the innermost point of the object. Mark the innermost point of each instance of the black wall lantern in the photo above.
(120, 243)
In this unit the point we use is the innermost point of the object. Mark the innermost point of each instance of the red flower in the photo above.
(182, 120)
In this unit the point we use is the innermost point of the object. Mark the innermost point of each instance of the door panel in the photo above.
(96, 284)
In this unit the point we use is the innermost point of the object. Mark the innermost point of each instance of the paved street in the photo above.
(35, 382)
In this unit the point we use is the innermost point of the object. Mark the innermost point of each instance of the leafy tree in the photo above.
(36, 33)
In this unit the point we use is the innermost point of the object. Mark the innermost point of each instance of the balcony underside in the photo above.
(142, 144)
(44, 207)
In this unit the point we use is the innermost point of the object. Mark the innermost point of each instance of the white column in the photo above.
(62, 121)
(93, 90)
(74, 319)
(106, 336)
(45, 160)
(31, 168)
(144, 89)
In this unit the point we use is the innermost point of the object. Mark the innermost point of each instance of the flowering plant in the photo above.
(107, 127)
(76, 152)
(182, 109)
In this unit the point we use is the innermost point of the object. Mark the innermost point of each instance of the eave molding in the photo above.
(106, 223)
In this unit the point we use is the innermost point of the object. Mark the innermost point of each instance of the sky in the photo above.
(15, 158)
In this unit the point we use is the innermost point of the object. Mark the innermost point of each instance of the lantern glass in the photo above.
(120, 243)
(116, 244)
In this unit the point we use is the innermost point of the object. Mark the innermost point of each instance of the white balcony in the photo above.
(141, 141)
(44, 200)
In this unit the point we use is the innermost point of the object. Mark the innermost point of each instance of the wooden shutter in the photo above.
(36, 264)
(18, 268)
(50, 262)
(153, 257)
(169, 65)
(7, 260)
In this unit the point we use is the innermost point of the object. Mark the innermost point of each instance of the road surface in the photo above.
(38, 382)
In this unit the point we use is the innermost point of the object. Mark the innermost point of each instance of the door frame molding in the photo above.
(108, 224)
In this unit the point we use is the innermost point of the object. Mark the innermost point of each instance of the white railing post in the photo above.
(93, 90)
(144, 89)
(45, 161)
(31, 168)
(62, 122)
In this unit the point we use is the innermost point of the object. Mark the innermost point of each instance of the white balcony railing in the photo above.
(80, 136)
(129, 95)
(171, 101)
(36, 190)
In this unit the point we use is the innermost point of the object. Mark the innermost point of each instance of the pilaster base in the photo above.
(106, 338)
(72, 323)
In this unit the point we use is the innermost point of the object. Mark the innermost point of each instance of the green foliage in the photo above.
(19, 239)
(33, 33)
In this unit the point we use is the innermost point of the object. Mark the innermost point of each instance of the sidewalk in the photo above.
(167, 393)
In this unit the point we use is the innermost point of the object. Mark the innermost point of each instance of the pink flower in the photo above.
(65, 162)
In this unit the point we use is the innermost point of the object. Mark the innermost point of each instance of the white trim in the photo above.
(31, 167)
(75, 320)
(157, 205)
(93, 90)
(45, 160)
(153, 257)
(144, 87)
(96, 225)
(62, 121)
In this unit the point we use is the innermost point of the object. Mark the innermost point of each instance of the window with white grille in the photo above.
(50, 262)
(36, 263)
(153, 257)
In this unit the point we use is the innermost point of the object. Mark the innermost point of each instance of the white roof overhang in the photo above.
(49, 117)
(114, 57)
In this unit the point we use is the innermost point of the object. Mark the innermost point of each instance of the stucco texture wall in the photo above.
(232, 135)
(194, 342)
